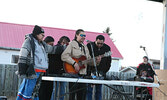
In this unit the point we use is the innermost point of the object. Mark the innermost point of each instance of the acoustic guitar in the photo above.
(81, 61)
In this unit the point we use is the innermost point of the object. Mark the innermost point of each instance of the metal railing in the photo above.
(9, 83)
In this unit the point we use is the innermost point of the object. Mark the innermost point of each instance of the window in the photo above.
(15, 58)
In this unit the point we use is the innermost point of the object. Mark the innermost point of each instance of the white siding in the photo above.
(130, 71)
(115, 65)
(6, 56)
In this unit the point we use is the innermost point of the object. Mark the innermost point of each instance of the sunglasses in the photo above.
(82, 35)
(100, 43)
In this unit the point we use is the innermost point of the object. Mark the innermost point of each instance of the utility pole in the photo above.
(163, 62)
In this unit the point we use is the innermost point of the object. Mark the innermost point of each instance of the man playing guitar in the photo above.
(77, 49)
(99, 48)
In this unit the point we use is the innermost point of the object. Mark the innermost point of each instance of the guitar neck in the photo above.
(91, 60)
(106, 54)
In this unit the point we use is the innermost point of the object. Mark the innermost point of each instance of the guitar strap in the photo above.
(81, 46)
(84, 50)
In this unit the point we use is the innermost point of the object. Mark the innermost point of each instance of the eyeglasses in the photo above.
(82, 35)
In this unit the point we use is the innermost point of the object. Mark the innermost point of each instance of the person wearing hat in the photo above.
(33, 62)
(145, 71)
(145, 66)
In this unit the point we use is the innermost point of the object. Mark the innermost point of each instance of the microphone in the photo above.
(142, 47)
(88, 41)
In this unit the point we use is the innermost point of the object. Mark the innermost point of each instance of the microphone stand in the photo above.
(144, 48)
(94, 60)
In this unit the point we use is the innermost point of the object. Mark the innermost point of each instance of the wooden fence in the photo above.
(9, 83)
(8, 80)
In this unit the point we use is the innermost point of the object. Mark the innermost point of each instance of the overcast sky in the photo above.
(132, 22)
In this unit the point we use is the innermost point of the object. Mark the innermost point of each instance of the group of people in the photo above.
(39, 56)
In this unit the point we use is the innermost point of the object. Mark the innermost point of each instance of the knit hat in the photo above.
(145, 57)
(37, 30)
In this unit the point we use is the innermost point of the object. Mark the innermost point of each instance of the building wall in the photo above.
(155, 63)
(115, 65)
(6, 56)
(7, 59)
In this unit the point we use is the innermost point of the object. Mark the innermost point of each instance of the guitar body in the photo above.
(70, 69)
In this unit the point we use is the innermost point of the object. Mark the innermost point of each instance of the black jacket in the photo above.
(105, 63)
(55, 62)
(145, 67)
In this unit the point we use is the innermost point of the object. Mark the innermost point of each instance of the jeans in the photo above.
(98, 93)
(26, 88)
(45, 91)
(77, 91)
(60, 89)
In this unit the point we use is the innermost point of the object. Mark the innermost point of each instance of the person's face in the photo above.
(50, 43)
(99, 43)
(81, 37)
(40, 36)
(64, 42)
(145, 60)
(144, 74)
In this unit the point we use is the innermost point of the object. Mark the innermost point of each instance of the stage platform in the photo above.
(95, 81)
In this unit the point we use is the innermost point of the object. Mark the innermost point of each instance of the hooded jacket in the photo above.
(26, 57)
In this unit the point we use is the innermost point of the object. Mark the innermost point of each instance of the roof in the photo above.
(128, 68)
(12, 36)
(156, 0)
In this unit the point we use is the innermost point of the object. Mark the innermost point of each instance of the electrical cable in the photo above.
(162, 91)
(75, 83)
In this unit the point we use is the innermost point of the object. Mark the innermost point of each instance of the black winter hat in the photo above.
(145, 57)
(37, 30)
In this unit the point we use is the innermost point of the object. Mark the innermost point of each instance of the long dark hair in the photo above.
(77, 33)
(62, 38)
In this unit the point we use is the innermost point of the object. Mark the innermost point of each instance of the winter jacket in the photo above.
(55, 62)
(74, 50)
(145, 67)
(26, 58)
